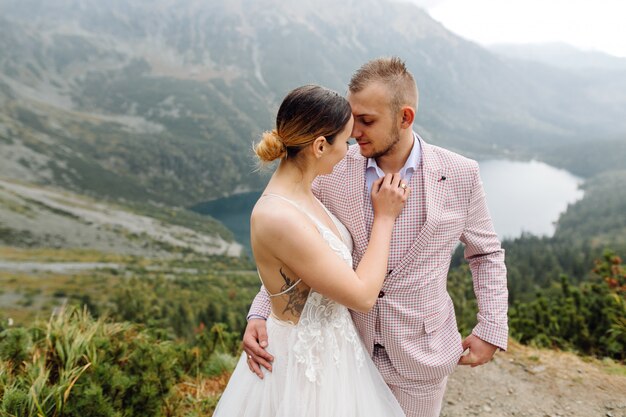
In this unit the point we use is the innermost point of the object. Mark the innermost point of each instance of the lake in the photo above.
(522, 197)
(527, 196)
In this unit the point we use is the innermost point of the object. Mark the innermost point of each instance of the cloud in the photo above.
(588, 24)
(425, 4)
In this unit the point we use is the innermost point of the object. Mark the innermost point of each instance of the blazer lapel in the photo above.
(435, 192)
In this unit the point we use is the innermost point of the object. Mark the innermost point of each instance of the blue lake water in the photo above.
(527, 196)
(522, 197)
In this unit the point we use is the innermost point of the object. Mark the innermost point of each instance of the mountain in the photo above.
(160, 100)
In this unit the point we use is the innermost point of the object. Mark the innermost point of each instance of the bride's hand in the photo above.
(389, 194)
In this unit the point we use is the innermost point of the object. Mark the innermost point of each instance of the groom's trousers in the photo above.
(417, 398)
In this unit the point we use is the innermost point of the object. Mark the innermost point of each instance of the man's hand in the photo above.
(480, 352)
(254, 344)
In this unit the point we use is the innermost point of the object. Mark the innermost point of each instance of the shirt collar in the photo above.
(414, 159)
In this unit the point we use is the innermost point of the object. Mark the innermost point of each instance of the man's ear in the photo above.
(319, 146)
(408, 116)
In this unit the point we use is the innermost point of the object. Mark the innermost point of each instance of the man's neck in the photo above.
(394, 160)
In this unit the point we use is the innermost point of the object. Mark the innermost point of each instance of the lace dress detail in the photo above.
(324, 323)
(320, 367)
(313, 341)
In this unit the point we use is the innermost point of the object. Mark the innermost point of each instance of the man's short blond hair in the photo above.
(391, 72)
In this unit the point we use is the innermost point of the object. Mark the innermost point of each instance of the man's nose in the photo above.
(356, 133)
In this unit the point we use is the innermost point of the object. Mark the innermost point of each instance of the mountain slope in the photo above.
(44, 217)
(160, 101)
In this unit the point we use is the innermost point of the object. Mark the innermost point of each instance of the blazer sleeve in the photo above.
(260, 306)
(486, 260)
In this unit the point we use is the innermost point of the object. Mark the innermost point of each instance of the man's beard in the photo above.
(394, 136)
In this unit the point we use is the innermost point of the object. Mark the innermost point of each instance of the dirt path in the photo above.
(542, 383)
(55, 267)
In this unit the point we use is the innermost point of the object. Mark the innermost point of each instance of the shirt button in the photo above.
(381, 294)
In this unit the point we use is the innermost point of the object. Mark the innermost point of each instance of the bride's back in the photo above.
(288, 293)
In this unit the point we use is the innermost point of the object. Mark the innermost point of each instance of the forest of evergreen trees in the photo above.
(585, 315)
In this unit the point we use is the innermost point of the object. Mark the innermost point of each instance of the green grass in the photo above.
(10, 253)
(612, 367)
(16, 207)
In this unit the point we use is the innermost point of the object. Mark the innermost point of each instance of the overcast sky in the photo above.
(587, 24)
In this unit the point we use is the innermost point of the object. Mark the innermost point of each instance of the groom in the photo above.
(411, 333)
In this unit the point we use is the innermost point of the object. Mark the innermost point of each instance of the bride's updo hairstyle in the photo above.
(305, 114)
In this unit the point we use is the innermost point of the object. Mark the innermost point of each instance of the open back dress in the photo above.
(320, 368)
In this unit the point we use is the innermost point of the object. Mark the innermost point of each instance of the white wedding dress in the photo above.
(320, 369)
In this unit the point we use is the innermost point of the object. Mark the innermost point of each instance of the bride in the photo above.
(303, 255)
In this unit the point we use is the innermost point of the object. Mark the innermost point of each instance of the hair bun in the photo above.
(271, 147)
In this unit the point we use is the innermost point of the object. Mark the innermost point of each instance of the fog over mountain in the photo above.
(160, 100)
(561, 55)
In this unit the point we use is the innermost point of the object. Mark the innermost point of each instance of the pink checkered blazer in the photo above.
(417, 324)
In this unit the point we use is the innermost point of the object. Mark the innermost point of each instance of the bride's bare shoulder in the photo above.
(271, 217)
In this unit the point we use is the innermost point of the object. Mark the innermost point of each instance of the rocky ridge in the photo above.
(35, 216)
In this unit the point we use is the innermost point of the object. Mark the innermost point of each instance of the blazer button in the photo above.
(381, 294)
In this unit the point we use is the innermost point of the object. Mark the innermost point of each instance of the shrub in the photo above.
(77, 366)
